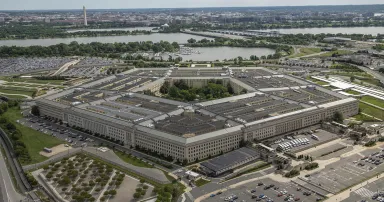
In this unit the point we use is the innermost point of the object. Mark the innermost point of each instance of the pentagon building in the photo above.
(274, 104)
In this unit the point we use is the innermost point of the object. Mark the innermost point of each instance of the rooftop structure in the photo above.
(228, 161)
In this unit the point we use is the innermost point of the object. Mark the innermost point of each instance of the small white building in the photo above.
(192, 174)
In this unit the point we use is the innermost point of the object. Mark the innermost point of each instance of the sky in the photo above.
(113, 4)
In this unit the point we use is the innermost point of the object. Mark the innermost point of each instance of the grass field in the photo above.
(34, 140)
(318, 82)
(37, 81)
(374, 101)
(362, 117)
(14, 96)
(20, 92)
(342, 73)
(201, 182)
(340, 52)
(371, 111)
(372, 81)
(131, 160)
(352, 92)
(306, 51)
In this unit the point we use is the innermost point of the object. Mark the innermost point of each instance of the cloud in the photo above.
(106, 4)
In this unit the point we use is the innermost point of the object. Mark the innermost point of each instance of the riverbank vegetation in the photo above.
(94, 49)
(115, 50)
(17, 31)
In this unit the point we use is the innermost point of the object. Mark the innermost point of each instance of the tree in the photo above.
(352, 78)
(35, 110)
(34, 94)
(381, 70)
(338, 117)
(191, 40)
(137, 195)
(112, 192)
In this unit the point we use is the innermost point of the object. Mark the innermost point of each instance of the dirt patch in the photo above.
(55, 150)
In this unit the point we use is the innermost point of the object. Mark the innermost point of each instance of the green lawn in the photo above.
(318, 82)
(306, 51)
(374, 101)
(353, 92)
(340, 52)
(372, 81)
(201, 182)
(371, 111)
(7, 91)
(38, 81)
(131, 160)
(13, 96)
(361, 117)
(34, 140)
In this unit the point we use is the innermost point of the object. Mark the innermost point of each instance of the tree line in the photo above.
(94, 49)
(14, 134)
(16, 31)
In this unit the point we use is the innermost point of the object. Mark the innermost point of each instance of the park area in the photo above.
(306, 51)
(33, 140)
(19, 88)
(81, 178)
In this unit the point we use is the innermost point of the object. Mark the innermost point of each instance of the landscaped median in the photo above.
(201, 182)
(251, 170)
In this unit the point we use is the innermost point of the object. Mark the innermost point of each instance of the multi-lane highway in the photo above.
(8, 192)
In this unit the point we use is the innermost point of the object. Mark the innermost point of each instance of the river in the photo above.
(333, 30)
(112, 29)
(155, 37)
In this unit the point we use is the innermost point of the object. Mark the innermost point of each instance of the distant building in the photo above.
(47, 20)
(336, 39)
(2, 19)
(85, 16)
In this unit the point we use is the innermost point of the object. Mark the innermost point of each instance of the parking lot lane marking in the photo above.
(364, 192)
(351, 172)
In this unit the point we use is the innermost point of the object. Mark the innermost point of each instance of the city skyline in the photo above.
(119, 4)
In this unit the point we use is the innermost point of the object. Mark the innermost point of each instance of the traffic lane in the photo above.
(8, 191)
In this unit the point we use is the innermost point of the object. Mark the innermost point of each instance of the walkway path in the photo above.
(65, 67)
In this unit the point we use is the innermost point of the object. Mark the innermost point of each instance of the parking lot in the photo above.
(323, 136)
(368, 191)
(22, 64)
(69, 135)
(258, 191)
(348, 171)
